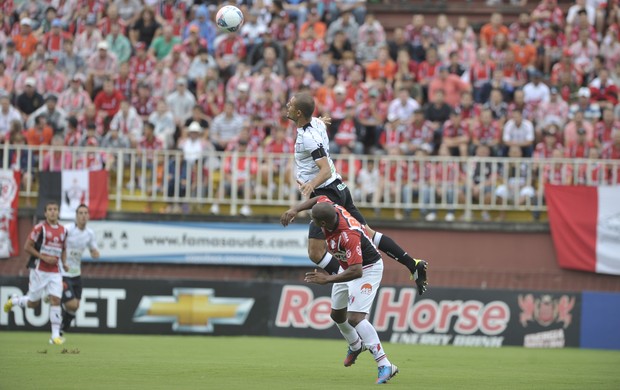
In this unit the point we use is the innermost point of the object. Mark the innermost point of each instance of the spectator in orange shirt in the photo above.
(451, 84)
(314, 20)
(489, 30)
(382, 67)
(41, 133)
(25, 41)
(525, 53)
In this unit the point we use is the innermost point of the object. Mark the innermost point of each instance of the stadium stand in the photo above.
(460, 108)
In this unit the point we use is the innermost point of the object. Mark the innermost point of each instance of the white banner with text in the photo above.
(201, 243)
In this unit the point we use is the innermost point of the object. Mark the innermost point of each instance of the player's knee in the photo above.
(355, 318)
(338, 316)
(72, 305)
(54, 301)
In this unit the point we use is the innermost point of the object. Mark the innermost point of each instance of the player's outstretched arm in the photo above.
(320, 277)
(290, 214)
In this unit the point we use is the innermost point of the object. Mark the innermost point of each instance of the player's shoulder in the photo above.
(69, 226)
(317, 123)
(91, 232)
(324, 199)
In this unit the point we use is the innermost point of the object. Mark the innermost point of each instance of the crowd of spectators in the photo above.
(159, 75)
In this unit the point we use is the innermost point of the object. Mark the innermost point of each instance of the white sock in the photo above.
(325, 260)
(349, 333)
(370, 337)
(21, 301)
(377, 238)
(55, 320)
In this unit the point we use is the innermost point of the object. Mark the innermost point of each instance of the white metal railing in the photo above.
(401, 183)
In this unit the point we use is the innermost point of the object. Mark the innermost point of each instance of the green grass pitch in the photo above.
(120, 362)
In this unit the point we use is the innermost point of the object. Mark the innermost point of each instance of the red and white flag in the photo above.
(70, 188)
(9, 201)
(585, 226)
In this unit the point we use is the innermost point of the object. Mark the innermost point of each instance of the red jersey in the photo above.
(52, 244)
(420, 133)
(344, 168)
(611, 151)
(578, 150)
(542, 150)
(484, 133)
(451, 130)
(348, 242)
(54, 43)
(602, 130)
(481, 73)
(426, 70)
(346, 133)
(592, 173)
(141, 68)
(109, 103)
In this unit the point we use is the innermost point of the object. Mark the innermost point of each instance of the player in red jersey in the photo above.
(46, 245)
(355, 286)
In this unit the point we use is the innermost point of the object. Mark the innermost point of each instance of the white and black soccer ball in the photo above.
(229, 18)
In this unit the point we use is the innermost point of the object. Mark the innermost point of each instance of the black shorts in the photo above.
(339, 193)
(71, 288)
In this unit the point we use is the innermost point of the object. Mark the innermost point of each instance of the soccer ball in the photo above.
(229, 18)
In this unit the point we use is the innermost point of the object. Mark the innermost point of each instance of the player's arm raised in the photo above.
(290, 214)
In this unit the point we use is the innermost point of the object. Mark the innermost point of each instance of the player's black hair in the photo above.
(82, 205)
(51, 203)
(304, 102)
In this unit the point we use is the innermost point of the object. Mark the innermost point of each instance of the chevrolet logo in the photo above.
(193, 310)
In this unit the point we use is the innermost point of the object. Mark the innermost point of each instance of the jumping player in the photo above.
(355, 287)
(46, 244)
(79, 237)
(316, 175)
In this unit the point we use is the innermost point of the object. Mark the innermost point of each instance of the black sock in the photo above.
(66, 320)
(392, 249)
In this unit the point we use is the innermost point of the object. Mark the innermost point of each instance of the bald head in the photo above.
(304, 102)
(323, 214)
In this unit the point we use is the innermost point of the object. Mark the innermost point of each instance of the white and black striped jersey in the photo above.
(312, 144)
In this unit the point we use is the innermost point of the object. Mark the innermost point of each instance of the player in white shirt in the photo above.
(316, 175)
(79, 238)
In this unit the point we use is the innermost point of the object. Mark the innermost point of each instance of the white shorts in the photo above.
(358, 295)
(42, 284)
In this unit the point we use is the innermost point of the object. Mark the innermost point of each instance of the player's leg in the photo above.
(416, 267)
(340, 300)
(32, 299)
(317, 250)
(363, 292)
(54, 290)
(72, 293)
